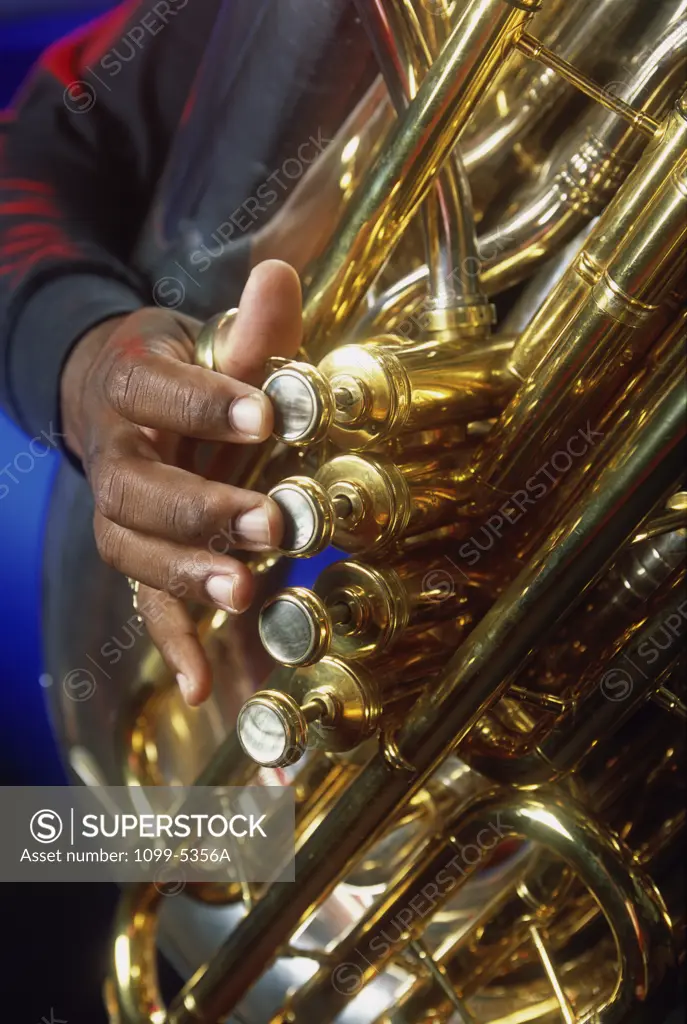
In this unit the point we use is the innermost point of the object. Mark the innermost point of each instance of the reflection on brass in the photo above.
(358, 610)
(363, 395)
(481, 709)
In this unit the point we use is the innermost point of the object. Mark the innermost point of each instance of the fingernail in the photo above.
(186, 686)
(254, 526)
(221, 590)
(247, 415)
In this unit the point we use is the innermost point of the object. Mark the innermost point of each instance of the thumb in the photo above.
(268, 323)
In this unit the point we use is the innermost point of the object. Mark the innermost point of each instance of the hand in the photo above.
(131, 400)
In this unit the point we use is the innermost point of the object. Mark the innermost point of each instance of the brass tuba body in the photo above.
(480, 704)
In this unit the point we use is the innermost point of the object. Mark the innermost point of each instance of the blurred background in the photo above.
(56, 936)
(27, 27)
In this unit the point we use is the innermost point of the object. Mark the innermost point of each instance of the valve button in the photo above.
(272, 729)
(295, 627)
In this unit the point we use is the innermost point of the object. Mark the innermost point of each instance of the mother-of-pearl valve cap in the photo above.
(330, 706)
(303, 403)
(272, 727)
(295, 627)
(309, 513)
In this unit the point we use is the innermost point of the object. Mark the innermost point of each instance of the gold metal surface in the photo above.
(532, 47)
(486, 703)
(218, 327)
(393, 190)
(362, 396)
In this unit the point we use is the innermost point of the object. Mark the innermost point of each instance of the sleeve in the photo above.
(80, 156)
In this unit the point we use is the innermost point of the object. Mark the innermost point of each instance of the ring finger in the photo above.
(186, 573)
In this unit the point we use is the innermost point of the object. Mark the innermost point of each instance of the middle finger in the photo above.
(154, 498)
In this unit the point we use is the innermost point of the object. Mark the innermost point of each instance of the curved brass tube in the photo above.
(132, 991)
(632, 906)
(392, 192)
(527, 93)
(590, 164)
(551, 214)
(405, 54)
(630, 902)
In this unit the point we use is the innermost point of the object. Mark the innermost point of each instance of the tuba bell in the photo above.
(478, 699)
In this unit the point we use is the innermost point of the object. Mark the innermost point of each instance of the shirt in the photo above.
(127, 161)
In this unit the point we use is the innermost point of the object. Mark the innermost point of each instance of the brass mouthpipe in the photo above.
(365, 505)
(632, 906)
(361, 396)
(648, 457)
(360, 611)
(393, 190)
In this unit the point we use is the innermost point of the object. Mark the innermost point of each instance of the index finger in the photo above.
(159, 391)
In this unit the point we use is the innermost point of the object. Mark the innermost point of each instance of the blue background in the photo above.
(27, 749)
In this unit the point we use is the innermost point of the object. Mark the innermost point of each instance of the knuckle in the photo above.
(180, 579)
(194, 408)
(109, 490)
(110, 543)
(188, 516)
(125, 385)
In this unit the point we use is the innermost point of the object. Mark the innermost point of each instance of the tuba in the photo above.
(478, 700)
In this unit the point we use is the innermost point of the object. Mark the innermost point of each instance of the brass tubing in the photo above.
(405, 56)
(132, 992)
(610, 233)
(393, 190)
(663, 525)
(579, 35)
(593, 161)
(335, 706)
(393, 307)
(368, 504)
(536, 50)
(631, 675)
(665, 362)
(383, 602)
(589, 166)
(610, 697)
(470, 959)
(599, 345)
(633, 908)
(647, 460)
(389, 501)
(361, 396)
